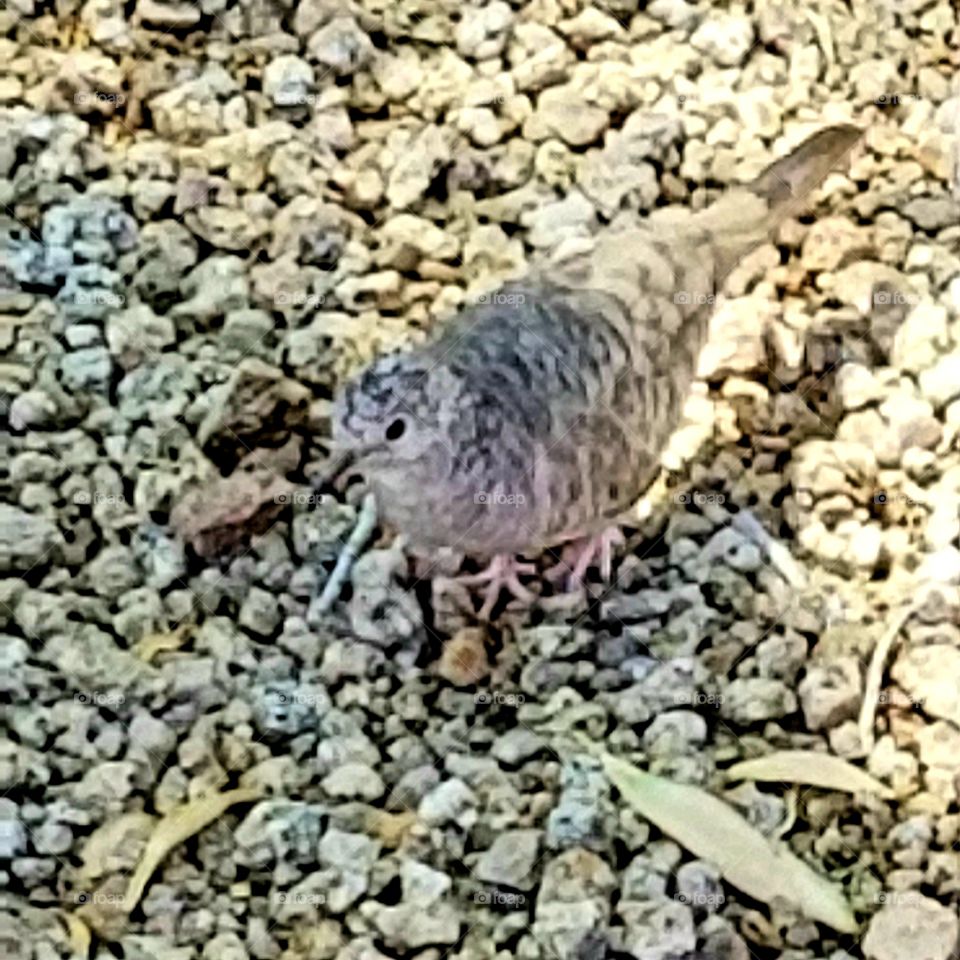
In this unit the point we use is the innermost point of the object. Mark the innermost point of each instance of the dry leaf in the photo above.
(79, 933)
(706, 826)
(152, 644)
(177, 826)
(810, 767)
(463, 660)
(111, 847)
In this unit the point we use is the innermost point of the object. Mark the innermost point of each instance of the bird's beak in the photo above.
(342, 460)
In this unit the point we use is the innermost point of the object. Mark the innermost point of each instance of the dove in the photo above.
(538, 414)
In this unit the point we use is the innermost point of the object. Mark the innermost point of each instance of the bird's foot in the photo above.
(581, 554)
(504, 572)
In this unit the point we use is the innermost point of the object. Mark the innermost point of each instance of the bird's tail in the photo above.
(745, 216)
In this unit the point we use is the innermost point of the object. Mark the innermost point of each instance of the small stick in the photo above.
(871, 692)
(351, 550)
(781, 558)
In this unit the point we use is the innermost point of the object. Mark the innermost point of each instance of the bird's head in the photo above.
(389, 421)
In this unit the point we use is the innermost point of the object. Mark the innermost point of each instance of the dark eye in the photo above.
(396, 429)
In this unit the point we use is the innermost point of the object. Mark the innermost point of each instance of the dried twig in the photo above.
(351, 550)
(871, 692)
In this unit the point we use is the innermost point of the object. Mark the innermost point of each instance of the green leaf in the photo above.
(712, 830)
(810, 767)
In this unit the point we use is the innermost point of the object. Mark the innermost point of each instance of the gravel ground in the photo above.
(212, 213)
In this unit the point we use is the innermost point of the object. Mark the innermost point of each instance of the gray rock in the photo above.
(933, 213)
(33, 408)
(422, 885)
(13, 834)
(674, 733)
(380, 611)
(160, 556)
(260, 612)
(833, 242)
(87, 369)
(341, 46)
(573, 901)
(700, 886)
(734, 549)
(921, 337)
(738, 345)
(410, 926)
(113, 572)
(912, 925)
(137, 333)
(674, 13)
(941, 383)
(624, 169)
(279, 831)
(287, 708)
(482, 31)
(939, 745)
(354, 781)
(830, 693)
(348, 859)
(320, 531)
(747, 700)
(562, 112)
(452, 801)
(416, 166)
(658, 929)
(511, 859)
(931, 676)
(288, 80)
(52, 838)
(517, 745)
(725, 38)
(25, 539)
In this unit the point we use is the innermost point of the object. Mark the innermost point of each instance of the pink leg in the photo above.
(504, 571)
(579, 556)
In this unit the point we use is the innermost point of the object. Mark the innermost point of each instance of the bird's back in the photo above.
(568, 384)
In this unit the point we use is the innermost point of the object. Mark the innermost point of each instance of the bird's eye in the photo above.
(396, 429)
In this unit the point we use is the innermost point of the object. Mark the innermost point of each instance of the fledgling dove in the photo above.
(539, 414)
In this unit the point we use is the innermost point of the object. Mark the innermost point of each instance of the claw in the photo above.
(581, 554)
(504, 572)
